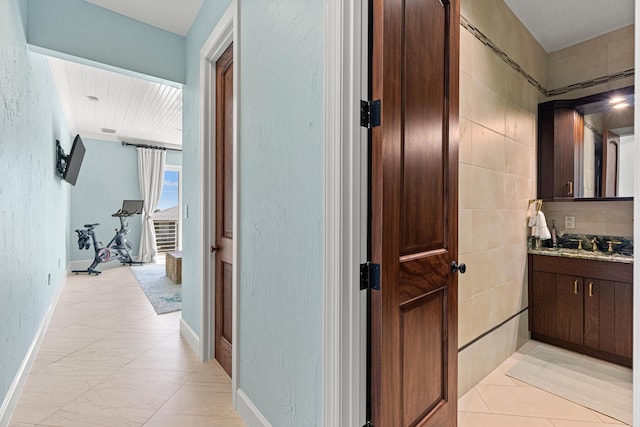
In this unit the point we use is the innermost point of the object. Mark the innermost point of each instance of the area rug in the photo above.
(603, 387)
(163, 294)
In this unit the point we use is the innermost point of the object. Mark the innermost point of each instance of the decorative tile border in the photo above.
(592, 128)
(464, 22)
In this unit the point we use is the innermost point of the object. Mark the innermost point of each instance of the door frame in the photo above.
(345, 213)
(224, 33)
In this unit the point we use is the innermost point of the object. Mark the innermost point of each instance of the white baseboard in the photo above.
(15, 390)
(251, 416)
(191, 337)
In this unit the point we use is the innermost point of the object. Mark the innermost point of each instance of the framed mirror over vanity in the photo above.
(586, 147)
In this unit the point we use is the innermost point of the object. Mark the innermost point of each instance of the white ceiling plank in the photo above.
(136, 108)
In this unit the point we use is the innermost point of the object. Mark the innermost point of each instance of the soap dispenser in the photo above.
(554, 240)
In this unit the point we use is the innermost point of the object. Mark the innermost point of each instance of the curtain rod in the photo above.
(156, 147)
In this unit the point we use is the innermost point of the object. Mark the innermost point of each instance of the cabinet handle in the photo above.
(575, 287)
(590, 289)
(570, 188)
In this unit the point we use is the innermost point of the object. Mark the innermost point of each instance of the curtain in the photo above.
(150, 177)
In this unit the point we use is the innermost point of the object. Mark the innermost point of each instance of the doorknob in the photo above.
(214, 248)
(462, 268)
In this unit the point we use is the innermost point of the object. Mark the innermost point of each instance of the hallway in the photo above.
(109, 360)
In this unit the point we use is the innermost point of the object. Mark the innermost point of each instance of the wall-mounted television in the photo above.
(69, 166)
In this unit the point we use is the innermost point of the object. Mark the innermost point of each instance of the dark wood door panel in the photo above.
(423, 355)
(592, 324)
(423, 274)
(224, 209)
(550, 298)
(624, 319)
(569, 308)
(424, 162)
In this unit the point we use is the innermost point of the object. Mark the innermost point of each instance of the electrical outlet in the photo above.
(569, 222)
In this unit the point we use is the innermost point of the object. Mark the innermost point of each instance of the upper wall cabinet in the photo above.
(586, 147)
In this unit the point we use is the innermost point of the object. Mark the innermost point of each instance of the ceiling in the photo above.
(557, 24)
(146, 111)
(171, 15)
(106, 105)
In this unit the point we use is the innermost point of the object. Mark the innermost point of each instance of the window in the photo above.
(166, 218)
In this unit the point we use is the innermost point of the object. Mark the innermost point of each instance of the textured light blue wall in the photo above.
(83, 30)
(34, 202)
(281, 209)
(109, 174)
(209, 15)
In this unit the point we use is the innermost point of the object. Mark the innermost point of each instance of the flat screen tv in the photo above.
(74, 161)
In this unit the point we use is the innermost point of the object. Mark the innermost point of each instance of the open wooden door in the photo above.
(223, 248)
(414, 212)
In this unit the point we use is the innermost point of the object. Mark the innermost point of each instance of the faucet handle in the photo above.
(579, 243)
(611, 243)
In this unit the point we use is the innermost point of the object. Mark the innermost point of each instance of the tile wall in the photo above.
(606, 55)
(498, 108)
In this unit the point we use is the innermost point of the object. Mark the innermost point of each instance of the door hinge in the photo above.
(370, 114)
(369, 276)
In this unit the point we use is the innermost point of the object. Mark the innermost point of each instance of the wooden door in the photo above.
(414, 211)
(223, 247)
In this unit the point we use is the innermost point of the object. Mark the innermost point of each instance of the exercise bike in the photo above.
(118, 248)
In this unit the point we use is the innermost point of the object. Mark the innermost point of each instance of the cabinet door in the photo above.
(570, 310)
(557, 306)
(608, 317)
(560, 140)
(543, 310)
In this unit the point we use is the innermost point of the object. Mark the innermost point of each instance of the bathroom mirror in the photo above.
(605, 159)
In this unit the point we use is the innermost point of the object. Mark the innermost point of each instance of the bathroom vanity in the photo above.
(582, 301)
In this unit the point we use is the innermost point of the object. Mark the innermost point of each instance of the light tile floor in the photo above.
(501, 401)
(108, 360)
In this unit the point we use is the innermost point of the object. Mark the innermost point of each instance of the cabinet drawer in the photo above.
(604, 270)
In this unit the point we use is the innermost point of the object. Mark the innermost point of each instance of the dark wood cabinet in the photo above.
(560, 140)
(583, 305)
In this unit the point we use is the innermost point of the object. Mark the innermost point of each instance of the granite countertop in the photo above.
(584, 254)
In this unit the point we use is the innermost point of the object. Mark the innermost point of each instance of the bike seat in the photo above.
(91, 225)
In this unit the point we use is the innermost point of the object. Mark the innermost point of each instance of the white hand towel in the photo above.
(542, 228)
(533, 216)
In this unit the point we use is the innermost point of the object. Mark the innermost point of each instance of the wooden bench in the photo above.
(173, 266)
